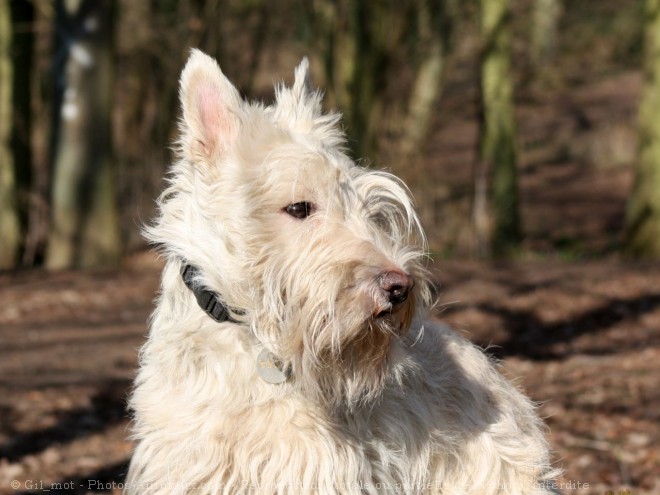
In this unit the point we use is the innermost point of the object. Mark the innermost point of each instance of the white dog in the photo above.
(289, 351)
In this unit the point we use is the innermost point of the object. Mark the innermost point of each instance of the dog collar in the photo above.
(207, 300)
(269, 367)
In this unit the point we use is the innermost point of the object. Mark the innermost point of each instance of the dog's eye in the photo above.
(299, 210)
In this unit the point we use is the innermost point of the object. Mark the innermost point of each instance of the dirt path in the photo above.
(581, 338)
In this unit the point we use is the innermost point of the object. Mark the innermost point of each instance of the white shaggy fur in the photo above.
(377, 401)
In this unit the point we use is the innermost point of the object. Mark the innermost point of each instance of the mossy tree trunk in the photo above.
(643, 215)
(84, 226)
(545, 26)
(497, 154)
(9, 219)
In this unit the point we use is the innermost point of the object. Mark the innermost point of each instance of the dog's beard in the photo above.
(343, 358)
(334, 327)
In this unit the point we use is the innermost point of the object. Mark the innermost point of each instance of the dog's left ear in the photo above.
(299, 105)
(211, 109)
(303, 90)
(302, 84)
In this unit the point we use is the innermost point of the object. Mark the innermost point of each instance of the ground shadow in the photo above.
(534, 339)
(107, 408)
(108, 479)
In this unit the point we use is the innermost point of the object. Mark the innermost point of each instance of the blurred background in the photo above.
(527, 130)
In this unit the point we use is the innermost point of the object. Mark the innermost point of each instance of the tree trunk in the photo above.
(85, 226)
(498, 133)
(22, 56)
(357, 39)
(9, 219)
(545, 25)
(643, 215)
(433, 25)
(428, 79)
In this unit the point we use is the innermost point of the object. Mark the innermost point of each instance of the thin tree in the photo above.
(545, 26)
(84, 225)
(22, 13)
(433, 25)
(433, 22)
(357, 41)
(643, 215)
(497, 232)
(9, 219)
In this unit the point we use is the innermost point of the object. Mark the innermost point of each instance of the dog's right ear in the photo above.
(211, 109)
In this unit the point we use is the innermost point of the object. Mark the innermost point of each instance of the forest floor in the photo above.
(580, 335)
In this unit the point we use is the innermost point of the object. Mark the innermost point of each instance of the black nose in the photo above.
(396, 286)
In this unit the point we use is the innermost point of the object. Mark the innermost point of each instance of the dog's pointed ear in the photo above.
(303, 90)
(211, 109)
(302, 84)
(299, 108)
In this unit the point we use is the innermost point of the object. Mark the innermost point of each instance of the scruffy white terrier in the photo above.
(289, 351)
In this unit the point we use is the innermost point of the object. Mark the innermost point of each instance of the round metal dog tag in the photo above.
(270, 368)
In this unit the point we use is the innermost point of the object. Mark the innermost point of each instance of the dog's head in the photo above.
(324, 260)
